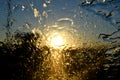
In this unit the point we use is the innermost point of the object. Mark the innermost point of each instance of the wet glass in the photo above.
(60, 39)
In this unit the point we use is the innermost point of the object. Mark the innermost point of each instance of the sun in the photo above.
(56, 40)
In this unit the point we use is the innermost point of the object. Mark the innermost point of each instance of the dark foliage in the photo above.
(20, 59)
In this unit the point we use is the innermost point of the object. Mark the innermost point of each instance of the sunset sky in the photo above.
(29, 14)
(60, 39)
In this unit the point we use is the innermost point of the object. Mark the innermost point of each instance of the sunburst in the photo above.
(56, 40)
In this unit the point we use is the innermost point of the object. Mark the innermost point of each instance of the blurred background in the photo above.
(91, 29)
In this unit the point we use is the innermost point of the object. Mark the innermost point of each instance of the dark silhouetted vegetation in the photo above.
(20, 59)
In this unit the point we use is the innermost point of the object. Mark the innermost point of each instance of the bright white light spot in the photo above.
(36, 12)
(23, 7)
(44, 5)
(55, 40)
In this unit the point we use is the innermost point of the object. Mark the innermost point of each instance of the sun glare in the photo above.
(56, 40)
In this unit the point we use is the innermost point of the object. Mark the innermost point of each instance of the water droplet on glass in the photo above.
(36, 13)
(23, 7)
(103, 1)
(44, 5)
(48, 1)
(63, 20)
(45, 14)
